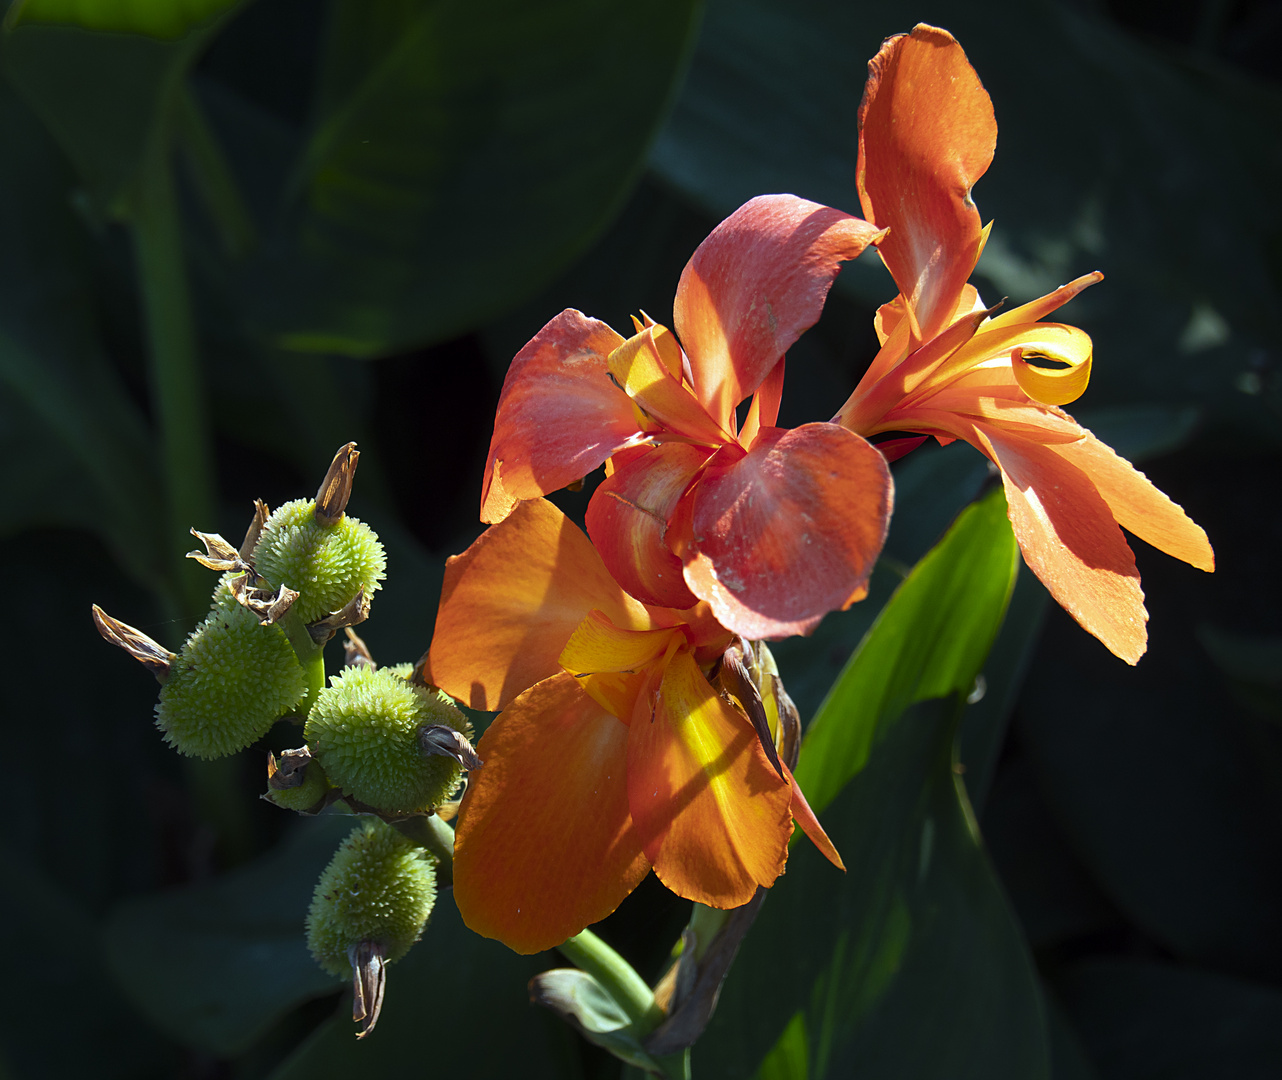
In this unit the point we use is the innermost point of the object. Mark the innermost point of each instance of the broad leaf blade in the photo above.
(153, 18)
(463, 153)
(929, 641)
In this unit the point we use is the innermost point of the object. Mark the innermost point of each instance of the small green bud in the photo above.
(233, 679)
(327, 564)
(296, 782)
(379, 888)
(388, 742)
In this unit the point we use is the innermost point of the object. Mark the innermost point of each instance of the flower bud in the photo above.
(379, 889)
(296, 782)
(365, 730)
(233, 679)
(326, 564)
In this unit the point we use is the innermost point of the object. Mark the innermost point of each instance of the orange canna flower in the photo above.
(613, 753)
(772, 528)
(952, 369)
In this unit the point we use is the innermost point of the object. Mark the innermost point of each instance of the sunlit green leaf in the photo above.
(462, 154)
(929, 641)
(155, 18)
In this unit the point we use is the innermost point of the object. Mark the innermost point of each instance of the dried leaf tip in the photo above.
(336, 488)
(218, 554)
(369, 981)
(148, 652)
(355, 652)
(356, 610)
(261, 514)
(447, 742)
(289, 771)
(266, 605)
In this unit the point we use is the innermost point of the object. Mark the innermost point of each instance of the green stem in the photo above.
(430, 832)
(618, 977)
(177, 387)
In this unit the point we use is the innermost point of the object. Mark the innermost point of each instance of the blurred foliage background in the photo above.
(235, 235)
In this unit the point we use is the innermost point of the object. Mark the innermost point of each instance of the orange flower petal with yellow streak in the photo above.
(559, 416)
(641, 370)
(610, 663)
(511, 601)
(926, 134)
(753, 287)
(712, 814)
(789, 532)
(545, 843)
(1070, 540)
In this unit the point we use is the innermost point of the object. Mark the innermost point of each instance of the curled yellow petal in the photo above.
(1058, 385)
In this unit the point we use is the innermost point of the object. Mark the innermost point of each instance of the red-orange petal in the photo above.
(559, 416)
(754, 286)
(712, 814)
(511, 601)
(545, 842)
(628, 522)
(1137, 505)
(926, 134)
(1070, 540)
(790, 532)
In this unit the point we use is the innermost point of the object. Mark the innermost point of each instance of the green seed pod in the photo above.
(365, 729)
(378, 888)
(233, 679)
(302, 797)
(326, 564)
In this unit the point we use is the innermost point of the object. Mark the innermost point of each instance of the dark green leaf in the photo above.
(929, 641)
(214, 966)
(457, 1005)
(106, 98)
(909, 965)
(1148, 1021)
(463, 153)
(582, 1001)
(155, 18)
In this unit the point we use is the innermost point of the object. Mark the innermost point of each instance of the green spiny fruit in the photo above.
(379, 887)
(364, 729)
(326, 564)
(233, 679)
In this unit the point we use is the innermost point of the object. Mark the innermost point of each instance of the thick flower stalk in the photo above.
(951, 369)
(613, 753)
(772, 528)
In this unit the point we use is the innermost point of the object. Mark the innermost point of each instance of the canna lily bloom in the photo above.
(613, 753)
(771, 528)
(950, 368)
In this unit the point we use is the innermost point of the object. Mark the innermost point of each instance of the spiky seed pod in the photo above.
(364, 729)
(378, 888)
(327, 564)
(233, 679)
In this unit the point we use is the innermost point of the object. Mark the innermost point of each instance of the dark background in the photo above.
(1134, 817)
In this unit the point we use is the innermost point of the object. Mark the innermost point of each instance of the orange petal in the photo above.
(753, 287)
(1037, 310)
(805, 817)
(610, 663)
(628, 522)
(1070, 541)
(764, 410)
(642, 370)
(1138, 506)
(926, 134)
(712, 814)
(790, 532)
(511, 601)
(559, 416)
(545, 843)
